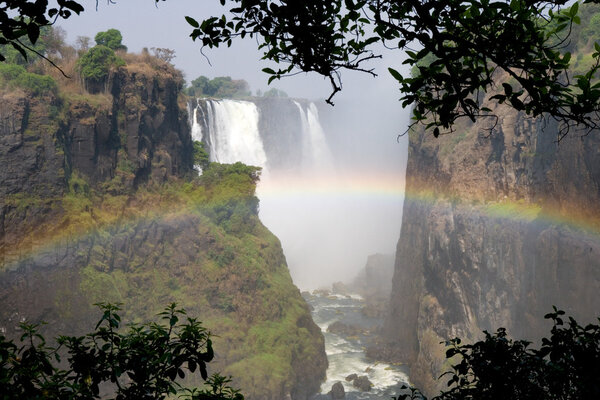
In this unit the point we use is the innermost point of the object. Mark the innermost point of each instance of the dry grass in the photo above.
(147, 64)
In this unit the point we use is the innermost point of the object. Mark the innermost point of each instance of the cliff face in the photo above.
(138, 134)
(99, 202)
(497, 227)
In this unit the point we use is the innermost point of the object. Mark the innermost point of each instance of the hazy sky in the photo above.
(364, 128)
(145, 25)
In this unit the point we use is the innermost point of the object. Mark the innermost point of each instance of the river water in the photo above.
(346, 355)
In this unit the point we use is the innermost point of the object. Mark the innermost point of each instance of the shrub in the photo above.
(143, 363)
(201, 157)
(566, 366)
(36, 84)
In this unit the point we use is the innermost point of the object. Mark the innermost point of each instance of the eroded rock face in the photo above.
(134, 134)
(140, 130)
(478, 249)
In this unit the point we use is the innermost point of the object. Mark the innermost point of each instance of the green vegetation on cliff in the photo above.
(100, 203)
(222, 87)
(15, 76)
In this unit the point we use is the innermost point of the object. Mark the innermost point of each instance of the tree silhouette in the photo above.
(565, 367)
(143, 363)
(511, 52)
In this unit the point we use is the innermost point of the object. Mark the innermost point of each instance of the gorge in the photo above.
(100, 201)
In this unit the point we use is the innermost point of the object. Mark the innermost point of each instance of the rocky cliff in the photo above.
(499, 224)
(99, 202)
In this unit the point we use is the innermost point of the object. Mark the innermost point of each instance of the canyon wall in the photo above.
(500, 223)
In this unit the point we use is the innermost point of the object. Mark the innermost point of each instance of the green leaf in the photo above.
(203, 372)
(192, 22)
(396, 74)
(574, 9)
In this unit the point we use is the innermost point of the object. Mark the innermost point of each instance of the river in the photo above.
(346, 353)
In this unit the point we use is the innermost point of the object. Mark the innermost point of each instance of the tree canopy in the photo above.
(513, 52)
(111, 38)
(23, 30)
(221, 86)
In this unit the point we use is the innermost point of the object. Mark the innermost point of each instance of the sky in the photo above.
(363, 131)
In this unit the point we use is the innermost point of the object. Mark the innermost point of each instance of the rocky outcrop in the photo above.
(337, 391)
(498, 225)
(362, 382)
(374, 283)
(99, 202)
(140, 131)
(345, 330)
(137, 133)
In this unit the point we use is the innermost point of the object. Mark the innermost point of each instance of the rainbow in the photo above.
(390, 186)
(386, 187)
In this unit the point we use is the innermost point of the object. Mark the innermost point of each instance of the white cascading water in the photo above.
(232, 132)
(196, 127)
(315, 153)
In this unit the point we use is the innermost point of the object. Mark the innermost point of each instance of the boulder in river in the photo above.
(351, 377)
(362, 383)
(337, 391)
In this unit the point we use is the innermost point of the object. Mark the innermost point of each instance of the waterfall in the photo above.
(315, 151)
(231, 131)
(327, 219)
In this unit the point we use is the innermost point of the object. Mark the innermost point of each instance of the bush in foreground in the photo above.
(566, 366)
(143, 363)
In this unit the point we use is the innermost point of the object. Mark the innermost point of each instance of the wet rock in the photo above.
(337, 391)
(362, 383)
(345, 330)
(351, 377)
(339, 288)
(321, 292)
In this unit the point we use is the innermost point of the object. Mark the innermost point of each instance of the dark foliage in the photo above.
(143, 363)
(22, 31)
(473, 43)
(566, 366)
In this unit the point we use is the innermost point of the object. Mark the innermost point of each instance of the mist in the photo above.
(329, 219)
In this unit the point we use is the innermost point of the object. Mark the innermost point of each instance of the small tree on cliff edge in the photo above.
(111, 38)
(143, 363)
(566, 366)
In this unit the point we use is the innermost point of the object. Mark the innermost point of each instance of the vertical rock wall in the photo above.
(498, 226)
